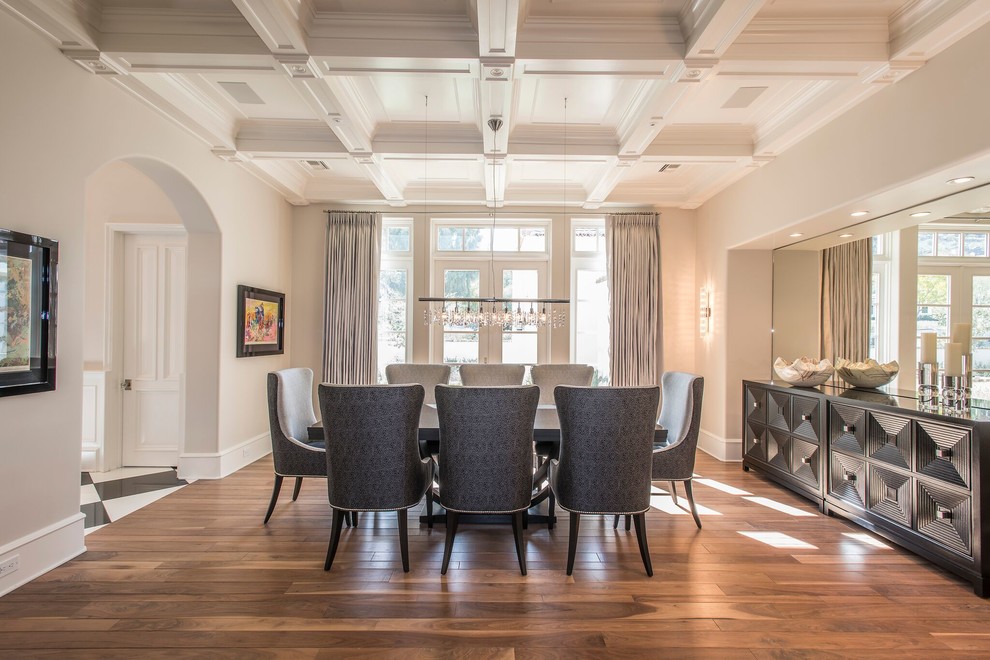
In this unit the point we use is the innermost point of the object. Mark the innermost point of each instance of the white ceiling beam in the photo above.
(66, 22)
(494, 181)
(498, 23)
(277, 23)
(614, 173)
(922, 29)
(710, 26)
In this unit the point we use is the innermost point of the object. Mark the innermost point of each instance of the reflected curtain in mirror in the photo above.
(845, 301)
(350, 345)
(632, 252)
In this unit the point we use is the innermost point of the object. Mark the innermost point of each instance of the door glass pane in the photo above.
(981, 289)
(397, 239)
(933, 289)
(506, 239)
(392, 290)
(460, 347)
(975, 245)
(478, 238)
(981, 321)
(520, 284)
(519, 348)
(981, 355)
(533, 239)
(461, 283)
(948, 245)
(450, 238)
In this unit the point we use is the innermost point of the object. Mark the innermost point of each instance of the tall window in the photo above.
(881, 300)
(394, 291)
(934, 307)
(589, 297)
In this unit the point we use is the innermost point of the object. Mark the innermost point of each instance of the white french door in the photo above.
(154, 348)
(462, 278)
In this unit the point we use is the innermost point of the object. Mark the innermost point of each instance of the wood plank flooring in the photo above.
(196, 574)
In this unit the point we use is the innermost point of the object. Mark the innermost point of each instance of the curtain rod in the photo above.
(488, 213)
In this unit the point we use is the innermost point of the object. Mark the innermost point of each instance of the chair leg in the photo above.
(335, 525)
(295, 491)
(275, 491)
(572, 537)
(354, 518)
(449, 543)
(403, 516)
(551, 507)
(689, 489)
(615, 523)
(673, 492)
(347, 518)
(429, 508)
(628, 522)
(644, 550)
(518, 521)
(525, 519)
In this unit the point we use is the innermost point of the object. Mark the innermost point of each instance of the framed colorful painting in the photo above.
(260, 322)
(28, 300)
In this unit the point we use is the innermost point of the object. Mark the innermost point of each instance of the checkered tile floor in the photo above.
(109, 496)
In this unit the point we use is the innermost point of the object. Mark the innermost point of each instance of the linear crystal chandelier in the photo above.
(507, 313)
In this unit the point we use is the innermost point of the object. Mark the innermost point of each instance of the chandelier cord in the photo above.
(491, 241)
(426, 151)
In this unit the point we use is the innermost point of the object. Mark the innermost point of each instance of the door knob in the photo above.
(125, 384)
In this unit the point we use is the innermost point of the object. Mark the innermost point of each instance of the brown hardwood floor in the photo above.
(196, 574)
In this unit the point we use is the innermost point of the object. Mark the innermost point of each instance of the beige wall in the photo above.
(680, 312)
(796, 304)
(933, 119)
(55, 135)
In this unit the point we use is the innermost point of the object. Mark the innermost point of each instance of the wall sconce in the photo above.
(705, 311)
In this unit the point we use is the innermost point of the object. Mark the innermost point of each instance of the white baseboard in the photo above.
(728, 450)
(220, 464)
(43, 550)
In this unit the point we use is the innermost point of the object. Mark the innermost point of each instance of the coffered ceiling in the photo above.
(617, 103)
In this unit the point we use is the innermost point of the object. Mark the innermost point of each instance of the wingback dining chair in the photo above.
(492, 375)
(549, 376)
(290, 412)
(486, 456)
(680, 415)
(373, 459)
(427, 375)
(606, 441)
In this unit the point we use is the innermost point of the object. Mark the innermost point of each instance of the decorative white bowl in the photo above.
(869, 374)
(804, 372)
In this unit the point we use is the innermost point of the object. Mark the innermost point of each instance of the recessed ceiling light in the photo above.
(920, 214)
(961, 179)
(845, 235)
(857, 214)
(796, 234)
(982, 209)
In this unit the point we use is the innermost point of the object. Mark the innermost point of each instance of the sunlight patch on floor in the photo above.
(866, 539)
(666, 504)
(779, 540)
(725, 488)
(778, 506)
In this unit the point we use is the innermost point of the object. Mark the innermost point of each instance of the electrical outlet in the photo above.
(8, 566)
(244, 452)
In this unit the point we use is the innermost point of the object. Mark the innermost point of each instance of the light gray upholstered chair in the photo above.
(680, 414)
(373, 460)
(549, 376)
(606, 442)
(290, 412)
(492, 375)
(427, 375)
(486, 456)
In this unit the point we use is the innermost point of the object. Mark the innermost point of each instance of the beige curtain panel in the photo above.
(350, 345)
(845, 303)
(632, 250)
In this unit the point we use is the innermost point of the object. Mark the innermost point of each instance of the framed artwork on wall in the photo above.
(28, 300)
(260, 322)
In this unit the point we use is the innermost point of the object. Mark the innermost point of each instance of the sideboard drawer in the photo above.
(888, 439)
(847, 429)
(847, 479)
(805, 459)
(755, 442)
(945, 516)
(943, 452)
(756, 404)
(889, 494)
(806, 418)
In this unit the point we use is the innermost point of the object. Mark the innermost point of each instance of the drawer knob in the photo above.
(806, 460)
(848, 428)
(849, 476)
(756, 441)
(756, 404)
(806, 417)
(943, 514)
(943, 453)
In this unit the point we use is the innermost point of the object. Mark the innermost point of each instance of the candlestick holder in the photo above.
(967, 375)
(928, 385)
(955, 395)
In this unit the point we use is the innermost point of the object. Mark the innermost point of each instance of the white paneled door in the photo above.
(154, 348)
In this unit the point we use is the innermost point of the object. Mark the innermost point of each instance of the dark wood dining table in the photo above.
(546, 441)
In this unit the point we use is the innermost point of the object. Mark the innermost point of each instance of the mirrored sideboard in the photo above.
(917, 478)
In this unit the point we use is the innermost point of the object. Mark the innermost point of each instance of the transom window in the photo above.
(952, 243)
(478, 238)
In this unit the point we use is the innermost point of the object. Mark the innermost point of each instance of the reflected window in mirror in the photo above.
(881, 299)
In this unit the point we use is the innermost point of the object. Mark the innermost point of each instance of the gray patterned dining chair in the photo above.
(492, 375)
(486, 456)
(427, 375)
(606, 442)
(290, 412)
(680, 415)
(373, 460)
